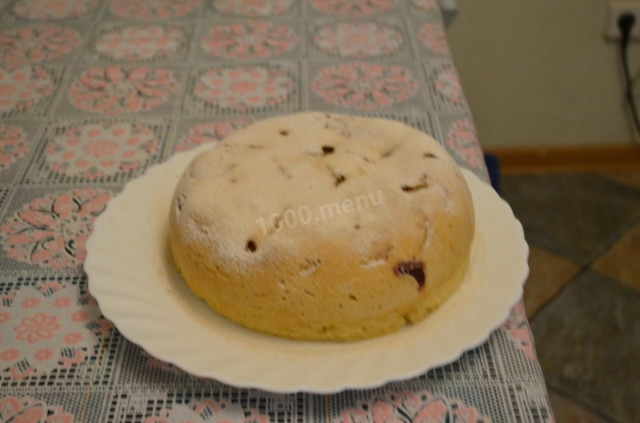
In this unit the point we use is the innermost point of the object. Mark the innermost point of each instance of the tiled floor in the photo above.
(583, 292)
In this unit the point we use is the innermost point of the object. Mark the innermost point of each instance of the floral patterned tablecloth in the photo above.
(92, 93)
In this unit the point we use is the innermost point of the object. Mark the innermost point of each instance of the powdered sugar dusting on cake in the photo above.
(313, 176)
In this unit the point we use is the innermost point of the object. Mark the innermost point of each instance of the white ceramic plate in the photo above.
(132, 276)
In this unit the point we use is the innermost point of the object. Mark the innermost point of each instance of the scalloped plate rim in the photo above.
(135, 332)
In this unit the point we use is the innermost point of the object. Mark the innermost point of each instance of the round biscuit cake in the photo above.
(323, 227)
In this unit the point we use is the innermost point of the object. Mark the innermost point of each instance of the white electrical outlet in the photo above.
(618, 8)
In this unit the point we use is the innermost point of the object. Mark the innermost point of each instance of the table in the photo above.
(93, 93)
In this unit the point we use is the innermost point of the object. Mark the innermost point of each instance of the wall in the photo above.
(540, 72)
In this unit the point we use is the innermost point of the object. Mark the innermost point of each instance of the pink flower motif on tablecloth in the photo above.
(427, 5)
(13, 145)
(96, 150)
(364, 86)
(208, 411)
(51, 231)
(31, 410)
(252, 8)
(406, 407)
(462, 139)
(115, 90)
(448, 84)
(352, 8)
(210, 132)
(22, 46)
(42, 333)
(433, 37)
(244, 87)
(140, 42)
(23, 88)
(149, 10)
(34, 328)
(49, 10)
(358, 39)
(518, 330)
(249, 40)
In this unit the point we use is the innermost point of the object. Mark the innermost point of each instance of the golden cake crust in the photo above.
(316, 226)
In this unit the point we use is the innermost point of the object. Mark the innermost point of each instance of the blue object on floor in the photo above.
(493, 166)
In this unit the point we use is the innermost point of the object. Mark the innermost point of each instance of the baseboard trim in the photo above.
(570, 158)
